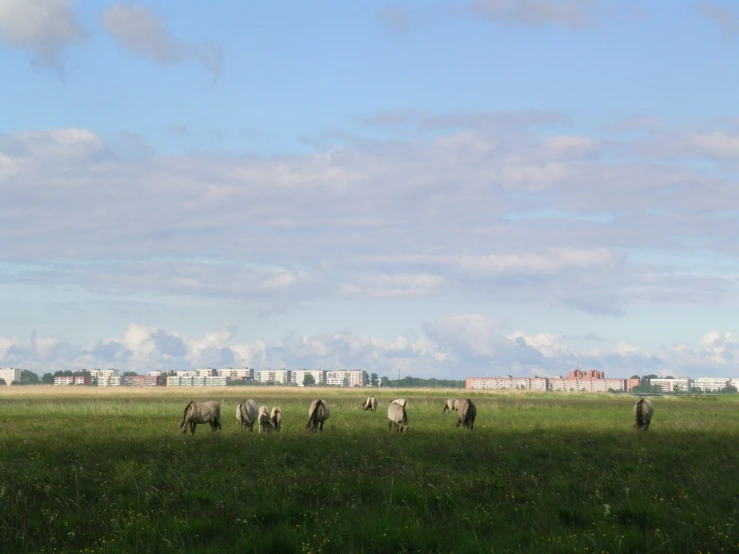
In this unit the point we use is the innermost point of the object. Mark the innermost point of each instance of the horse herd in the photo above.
(247, 414)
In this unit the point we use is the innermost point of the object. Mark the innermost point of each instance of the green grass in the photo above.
(540, 473)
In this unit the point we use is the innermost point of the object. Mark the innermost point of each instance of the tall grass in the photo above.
(107, 471)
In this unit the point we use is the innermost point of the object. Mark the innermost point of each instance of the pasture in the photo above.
(108, 471)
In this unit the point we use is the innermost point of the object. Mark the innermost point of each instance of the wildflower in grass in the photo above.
(606, 510)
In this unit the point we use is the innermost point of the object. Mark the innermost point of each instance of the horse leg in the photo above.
(192, 427)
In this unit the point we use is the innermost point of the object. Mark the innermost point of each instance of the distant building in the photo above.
(155, 373)
(590, 374)
(9, 375)
(576, 381)
(711, 384)
(298, 376)
(108, 377)
(211, 381)
(72, 380)
(242, 373)
(277, 376)
(682, 384)
(206, 372)
(346, 378)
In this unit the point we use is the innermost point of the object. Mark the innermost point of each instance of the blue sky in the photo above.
(449, 188)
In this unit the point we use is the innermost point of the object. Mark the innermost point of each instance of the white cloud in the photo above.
(44, 27)
(564, 13)
(141, 31)
(463, 213)
(393, 286)
(729, 21)
(456, 346)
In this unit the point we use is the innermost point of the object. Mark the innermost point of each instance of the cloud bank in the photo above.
(457, 346)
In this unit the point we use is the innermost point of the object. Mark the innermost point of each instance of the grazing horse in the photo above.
(370, 404)
(397, 416)
(643, 411)
(401, 401)
(467, 413)
(318, 413)
(275, 418)
(265, 424)
(247, 413)
(201, 412)
(451, 404)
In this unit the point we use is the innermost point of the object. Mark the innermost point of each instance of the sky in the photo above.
(438, 188)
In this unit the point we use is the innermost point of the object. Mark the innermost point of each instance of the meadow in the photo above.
(107, 471)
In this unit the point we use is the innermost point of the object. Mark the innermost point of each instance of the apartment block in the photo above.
(241, 373)
(683, 384)
(346, 378)
(298, 376)
(211, 381)
(711, 384)
(277, 376)
(72, 380)
(9, 375)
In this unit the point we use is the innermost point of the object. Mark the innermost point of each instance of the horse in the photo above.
(451, 404)
(643, 411)
(397, 416)
(275, 418)
(467, 413)
(264, 423)
(401, 401)
(370, 404)
(318, 413)
(201, 412)
(247, 413)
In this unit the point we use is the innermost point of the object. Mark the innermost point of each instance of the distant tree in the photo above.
(47, 379)
(373, 379)
(634, 377)
(675, 388)
(2, 382)
(309, 380)
(127, 373)
(29, 378)
(669, 377)
(12, 383)
(611, 390)
(415, 382)
(728, 389)
(384, 381)
(651, 376)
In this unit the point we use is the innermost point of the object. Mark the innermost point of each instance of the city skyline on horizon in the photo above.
(441, 189)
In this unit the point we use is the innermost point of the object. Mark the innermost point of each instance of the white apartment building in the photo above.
(155, 373)
(278, 376)
(683, 384)
(211, 381)
(206, 372)
(107, 377)
(711, 384)
(298, 376)
(346, 378)
(9, 375)
(242, 373)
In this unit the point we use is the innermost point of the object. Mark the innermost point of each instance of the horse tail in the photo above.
(184, 414)
(640, 413)
(313, 418)
(468, 413)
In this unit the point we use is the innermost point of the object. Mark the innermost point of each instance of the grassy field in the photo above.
(107, 471)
